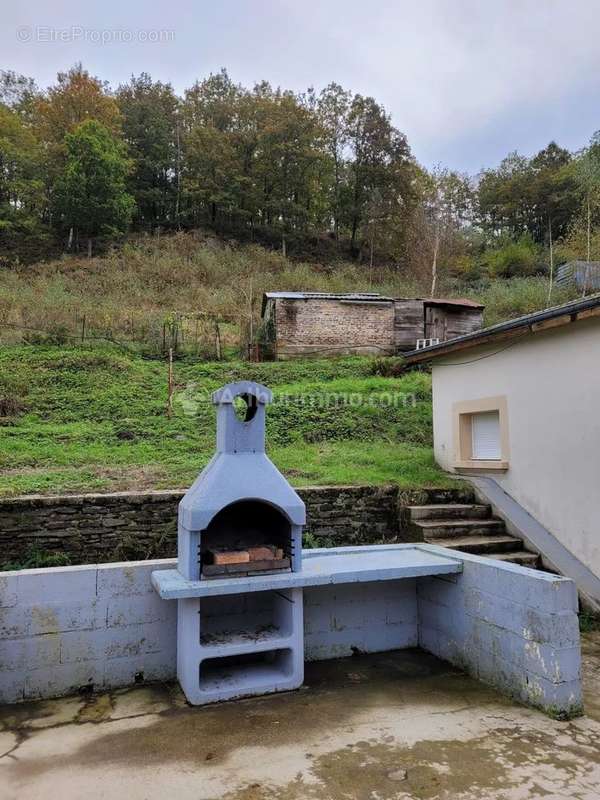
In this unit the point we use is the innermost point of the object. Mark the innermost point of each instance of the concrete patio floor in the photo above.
(391, 726)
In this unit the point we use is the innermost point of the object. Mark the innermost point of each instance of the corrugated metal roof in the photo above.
(578, 262)
(445, 301)
(325, 296)
(356, 297)
(486, 335)
(580, 273)
(367, 296)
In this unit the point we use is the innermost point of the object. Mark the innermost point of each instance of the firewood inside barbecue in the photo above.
(229, 556)
(262, 552)
(265, 552)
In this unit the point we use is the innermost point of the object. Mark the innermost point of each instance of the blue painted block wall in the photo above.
(511, 627)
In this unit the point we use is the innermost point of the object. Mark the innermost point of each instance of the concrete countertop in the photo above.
(319, 567)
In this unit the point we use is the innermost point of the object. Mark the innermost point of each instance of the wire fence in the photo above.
(204, 335)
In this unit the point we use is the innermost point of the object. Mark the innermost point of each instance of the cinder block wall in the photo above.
(68, 628)
(513, 628)
(104, 626)
(359, 618)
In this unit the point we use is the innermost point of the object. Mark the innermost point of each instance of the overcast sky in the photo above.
(466, 80)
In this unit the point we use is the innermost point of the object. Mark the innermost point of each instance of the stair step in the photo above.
(481, 544)
(522, 557)
(439, 511)
(431, 496)
(435, 528)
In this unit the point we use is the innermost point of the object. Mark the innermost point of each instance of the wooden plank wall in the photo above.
(409, 323)
(461, 321)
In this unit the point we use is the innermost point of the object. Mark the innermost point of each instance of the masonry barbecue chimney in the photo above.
(240, 517)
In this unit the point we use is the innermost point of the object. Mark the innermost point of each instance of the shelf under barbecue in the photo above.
(239, 642)
(262, 670)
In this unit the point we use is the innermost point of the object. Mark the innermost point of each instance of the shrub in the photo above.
(35, 558)
(12, 396)
(515, 259)
(390, 367)
(507, 299)
(55, 334)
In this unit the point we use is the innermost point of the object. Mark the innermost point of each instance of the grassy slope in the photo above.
(95, 420)
(94, 417)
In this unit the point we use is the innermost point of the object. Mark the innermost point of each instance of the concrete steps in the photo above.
(471, 528)
(450, 528)
(522, 557)
(450, 511)
(481, 545)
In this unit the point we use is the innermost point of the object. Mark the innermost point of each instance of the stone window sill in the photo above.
(479, 466)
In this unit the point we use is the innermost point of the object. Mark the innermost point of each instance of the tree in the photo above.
(91, 192)
(555, 197)
(528, 196)
(288, 163)
(332, 107)
(24, 232)
(76, 97)
(22, 201)
(150, 125)
(588, 178)
(511, 258)
(210, 170)
(377, 213)
(211, 173)
(438, 222)
(252, 157)
(18, 92)
(504, 198)
(246, 139)
(380, 159)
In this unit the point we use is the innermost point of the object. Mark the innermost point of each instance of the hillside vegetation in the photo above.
(159, 292)
(94, 419)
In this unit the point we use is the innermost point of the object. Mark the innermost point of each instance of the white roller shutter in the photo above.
(485, 432)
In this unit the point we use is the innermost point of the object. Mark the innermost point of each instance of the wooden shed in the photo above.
(326, 324)
(433, 318)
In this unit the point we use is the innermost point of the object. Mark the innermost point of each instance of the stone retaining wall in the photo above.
(129, 526)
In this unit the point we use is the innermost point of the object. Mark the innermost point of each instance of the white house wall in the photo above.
(551, 382)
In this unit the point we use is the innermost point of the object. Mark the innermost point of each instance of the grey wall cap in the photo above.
(228, 393)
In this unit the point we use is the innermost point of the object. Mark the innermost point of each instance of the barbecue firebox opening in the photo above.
(244, 538)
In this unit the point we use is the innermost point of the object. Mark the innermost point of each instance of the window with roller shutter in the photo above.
(485, 436)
